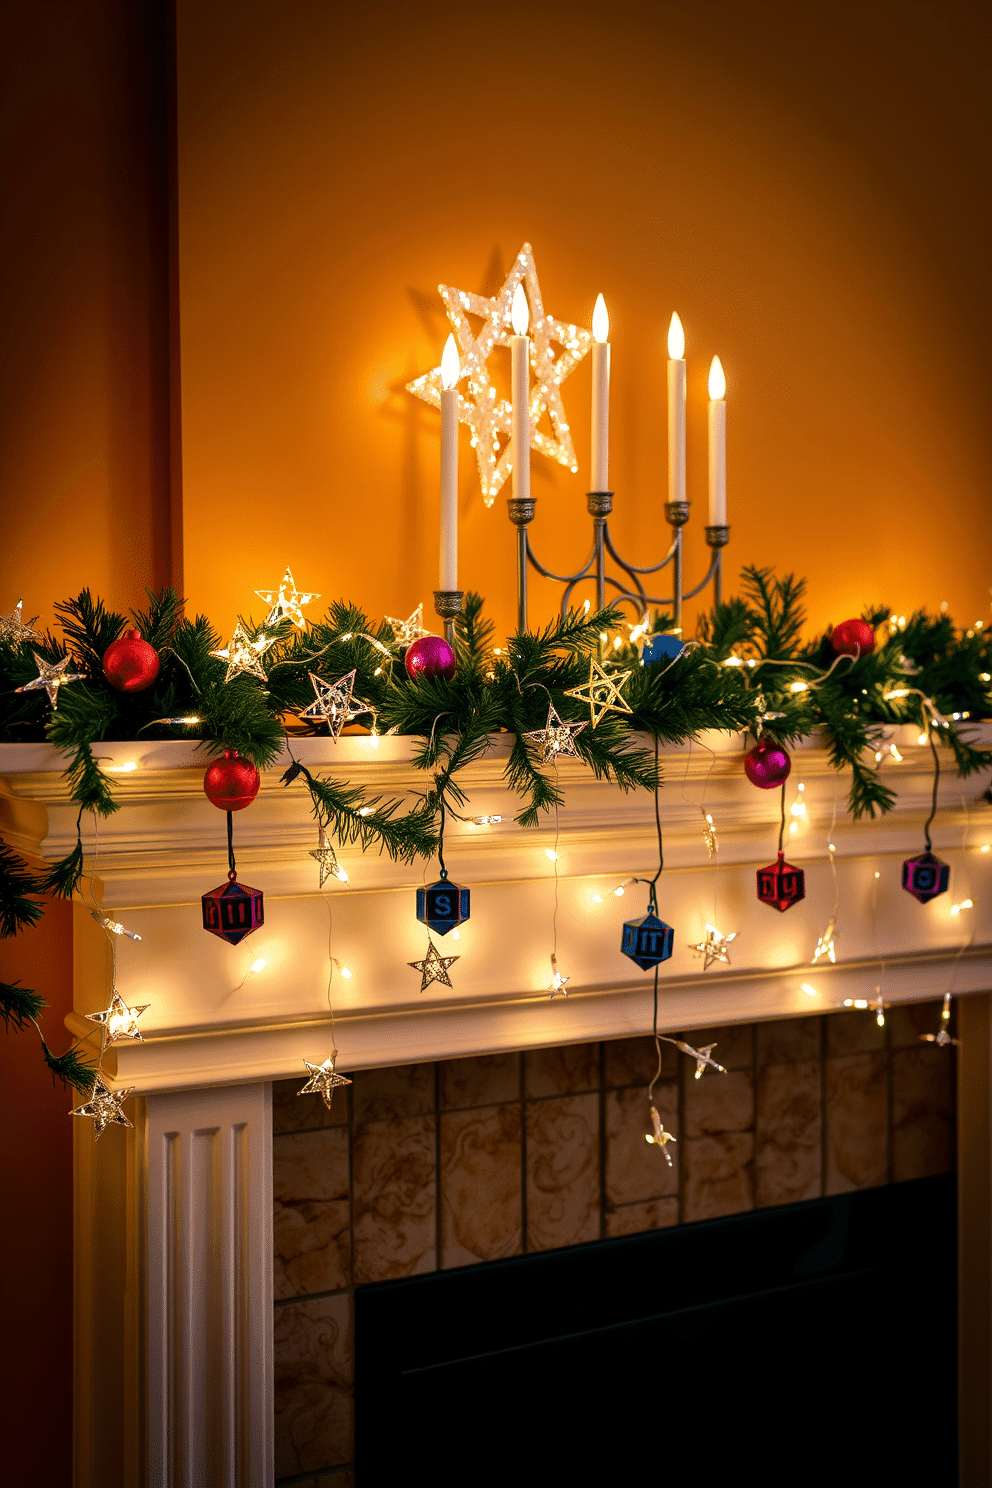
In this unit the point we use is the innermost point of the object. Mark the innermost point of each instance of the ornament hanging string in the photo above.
(933, 800)
(233, 872)
(781, 829)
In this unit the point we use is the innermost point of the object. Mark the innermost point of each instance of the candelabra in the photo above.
(599, 505)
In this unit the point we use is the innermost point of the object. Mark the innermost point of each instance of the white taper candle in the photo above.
(718, 444)
(520, 394)
(676, 410)
(450, 372)
(600, 463)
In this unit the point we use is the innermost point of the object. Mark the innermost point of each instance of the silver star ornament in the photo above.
(51, 676)
(323, 1080)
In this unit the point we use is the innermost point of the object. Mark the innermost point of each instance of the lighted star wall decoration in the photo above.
(602, 692)
(14, 629)
(118, 1020)
(334, 703)
(434, 967)
(408, 630)
(557, 738)
(487, 414)
(104, 1107)
(243, 655)
(286, 601)
(51, 676)
(714, 947)
(323, 1080)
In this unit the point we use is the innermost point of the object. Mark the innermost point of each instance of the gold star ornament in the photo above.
(323, 1080)
(104, 1107)
(51, 676)
(486, 413)
(334, 703)
(556, 738)
(602, 692)
(13, 628)
(714, 947)
(408, 630)
(328, 860)
(286, 601)
(243, 655)
(434, 967)
(118, 1020)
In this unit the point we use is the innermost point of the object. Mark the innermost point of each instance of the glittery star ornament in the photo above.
(14, 629)
(557, 738)
(104, 1107)
(51, 676)
(659, 1137)
(410, 629)
(286, 601)
(333, 703)
(243, 655)
(434, 967)
(118, 1020)
(602, 692)
(714, 947)
(326, 858)
(323, 1080)
(488, 415)
(826, 946)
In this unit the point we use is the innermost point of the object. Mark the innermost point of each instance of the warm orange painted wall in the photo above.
(84, 318)
(805, 184)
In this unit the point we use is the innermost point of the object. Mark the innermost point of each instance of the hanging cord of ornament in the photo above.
(558, 982)
(781, 828)
(933, 799)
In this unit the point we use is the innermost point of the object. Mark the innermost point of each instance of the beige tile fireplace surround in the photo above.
(211, 1344)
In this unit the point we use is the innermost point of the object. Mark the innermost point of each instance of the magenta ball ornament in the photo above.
(853, 638)
(430, 656)
(767, 764)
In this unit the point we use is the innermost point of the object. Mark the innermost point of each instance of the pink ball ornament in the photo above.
(853, 638)
(430, 656)
(767, 764)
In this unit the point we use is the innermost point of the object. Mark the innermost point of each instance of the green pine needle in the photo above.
(19, 1006)
(17, 882)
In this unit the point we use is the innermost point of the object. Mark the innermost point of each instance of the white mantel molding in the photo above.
(213, 1023)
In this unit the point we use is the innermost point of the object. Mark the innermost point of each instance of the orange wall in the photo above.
(804, 184)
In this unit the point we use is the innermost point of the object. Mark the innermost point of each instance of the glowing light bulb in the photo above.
(456, 935)
(128, 767)
(551, 855)
(810, 991)
(598, 898)
(619, 892)
(346, 973)
(258, 964)
(717, 383)
(450, 367)
(519, 312)
(600, 321)
(676, 339)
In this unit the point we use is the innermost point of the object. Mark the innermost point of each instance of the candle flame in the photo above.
(717, 382)
(676, 339)
(520, 312)
(450, 369)
(600, 321)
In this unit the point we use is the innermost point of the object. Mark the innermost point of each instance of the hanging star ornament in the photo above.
(327, 859)
(118, 1020)
(659, 1137)
(826, 946)
(51, 676)
(434, 967)
(556, 739)
(243, 655)
(714, 947)
(104, 1107)
(487, 414)
(408, 630)
(286, 601)
(14, 629)
(602, 692)
(323, 1080)
(333, 703)
(558, 984)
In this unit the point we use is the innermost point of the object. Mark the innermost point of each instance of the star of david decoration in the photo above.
(602, 692)
(104, 1107)
(825, 945)
(327, 859)
(410, 629)
(434, 967)
(14, 629)
(323, 1080)
(286, 601)
(51, 676)
(488, 415)
(556, 739)
(243, 655)
(118, 1020)
(333, 703)
(713, 947)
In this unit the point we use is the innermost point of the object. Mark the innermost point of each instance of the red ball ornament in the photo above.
(130, 664)
(430, 656)
(853, 638)
(767, 764)
(231, 783)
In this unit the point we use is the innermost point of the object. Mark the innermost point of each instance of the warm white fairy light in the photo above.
(257, 965)
(485, 821)
(879, 1007)
(659, 1137)
(957, 908)
(856, 1002)
(825, 946)
(113, 927)
(942, 1036)
(809, 990)
(558, 982)
(551, 855)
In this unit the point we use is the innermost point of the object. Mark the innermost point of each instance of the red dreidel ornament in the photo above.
(781, 884)
(232, 910)
(130, 664)
(853, 638)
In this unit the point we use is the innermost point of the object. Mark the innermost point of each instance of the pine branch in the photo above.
(90, 629)
(158, 623)
(70, 1068)
(17, 882)
(63, 876)
(343, 810)
(473, 636)
(777, 609)
(19, 1006)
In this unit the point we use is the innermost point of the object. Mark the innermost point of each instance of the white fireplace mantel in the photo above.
(211, 1021)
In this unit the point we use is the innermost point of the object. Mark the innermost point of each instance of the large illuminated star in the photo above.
(51, 676)
(286, 601)
(104, 1107)
(334, 703)
(323, 1080)
(487, 414)
(243, 654)
(602, 692)
(119, 1020)
(13, 627)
